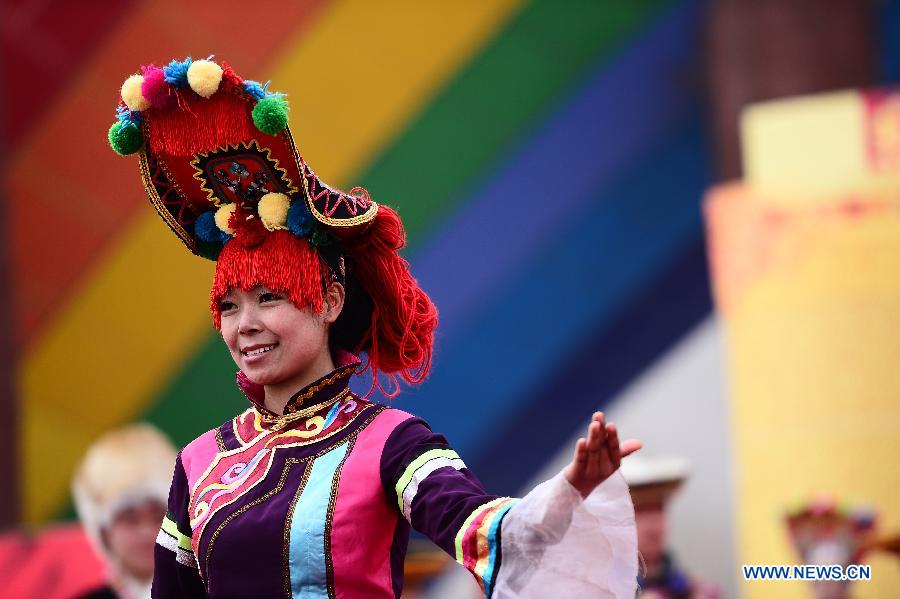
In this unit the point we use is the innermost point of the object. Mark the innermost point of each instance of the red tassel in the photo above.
(200, 124)
(400, 338)
(230, 79)
(282, 262)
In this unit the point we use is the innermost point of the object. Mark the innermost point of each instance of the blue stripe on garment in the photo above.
(332, 413)
(306, 547)
(493, 543)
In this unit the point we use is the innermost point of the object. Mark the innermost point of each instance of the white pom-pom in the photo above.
(223, 215)
(273, 210)
(204, 77)
(131, 93)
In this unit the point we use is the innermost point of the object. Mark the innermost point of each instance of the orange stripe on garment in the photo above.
(143, 309)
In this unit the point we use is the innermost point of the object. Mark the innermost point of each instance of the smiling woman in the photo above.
(276, 344)
(312, 490)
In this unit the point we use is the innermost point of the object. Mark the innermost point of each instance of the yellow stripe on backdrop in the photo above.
(368, 67)
(361, 73)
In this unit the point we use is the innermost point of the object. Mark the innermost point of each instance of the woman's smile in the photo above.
(253, 354)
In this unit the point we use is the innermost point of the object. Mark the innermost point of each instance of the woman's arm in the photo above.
(504, 541)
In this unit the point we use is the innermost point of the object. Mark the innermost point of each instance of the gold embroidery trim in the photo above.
(279, 422)
(359, 219)
(200, 176)
(345, 371)
(150, 189)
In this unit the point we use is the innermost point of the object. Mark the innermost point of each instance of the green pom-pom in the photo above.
(125, 139)
(270, 115)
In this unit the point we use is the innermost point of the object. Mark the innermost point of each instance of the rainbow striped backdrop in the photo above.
(548, 158)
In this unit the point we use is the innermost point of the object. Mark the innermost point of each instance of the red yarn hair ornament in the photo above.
(400, 336)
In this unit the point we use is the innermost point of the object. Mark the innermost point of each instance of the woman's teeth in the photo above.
(261, 350)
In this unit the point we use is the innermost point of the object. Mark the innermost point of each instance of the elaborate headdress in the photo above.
(222, 170)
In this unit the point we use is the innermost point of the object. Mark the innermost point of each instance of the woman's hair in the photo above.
(400, 336)
(385, 312)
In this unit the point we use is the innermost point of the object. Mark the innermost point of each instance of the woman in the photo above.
(312, 490)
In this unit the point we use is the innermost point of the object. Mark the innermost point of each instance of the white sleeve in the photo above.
(554, 544)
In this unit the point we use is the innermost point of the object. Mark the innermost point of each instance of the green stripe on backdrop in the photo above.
(533, 62)
(202, 396)
(522, 73)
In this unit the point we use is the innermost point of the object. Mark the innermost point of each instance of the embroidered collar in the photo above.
(318, 392)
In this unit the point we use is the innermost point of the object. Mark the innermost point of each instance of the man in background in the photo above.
(120, 491)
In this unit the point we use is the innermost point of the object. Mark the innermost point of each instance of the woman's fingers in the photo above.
(580, 456)
(596, 432)
(629, 446)
(612, 445)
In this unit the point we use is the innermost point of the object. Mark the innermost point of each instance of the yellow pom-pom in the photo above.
(204, 77)
(273, 210)
(131, 93)
(223, 214)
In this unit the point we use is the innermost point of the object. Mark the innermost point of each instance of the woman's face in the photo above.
(269, 338)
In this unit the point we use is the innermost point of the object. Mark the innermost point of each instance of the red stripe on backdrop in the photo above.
(69, 194)
(42, 49)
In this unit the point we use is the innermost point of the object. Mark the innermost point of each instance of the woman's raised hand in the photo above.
(598, 456)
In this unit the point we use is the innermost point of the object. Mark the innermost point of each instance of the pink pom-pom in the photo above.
(159, 93)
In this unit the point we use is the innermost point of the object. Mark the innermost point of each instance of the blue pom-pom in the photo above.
(176, 72)
(255, 89)
(299, 220)
(260, 90)
(127, 116)
(205, 228)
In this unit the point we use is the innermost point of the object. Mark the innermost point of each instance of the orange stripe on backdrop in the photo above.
(134, 317)
(70, 196)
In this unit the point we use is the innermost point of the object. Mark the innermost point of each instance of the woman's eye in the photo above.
(268, 297)
(224, 306)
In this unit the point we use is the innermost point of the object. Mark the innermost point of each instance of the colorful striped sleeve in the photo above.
(175, 573)
(441, 498)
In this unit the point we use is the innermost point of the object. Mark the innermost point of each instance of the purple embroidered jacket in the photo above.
(319, 502)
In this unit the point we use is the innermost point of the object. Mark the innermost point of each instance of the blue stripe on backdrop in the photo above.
(888, 26)
(611, 120)
(652, 321)
(619, 113)
(523, 336)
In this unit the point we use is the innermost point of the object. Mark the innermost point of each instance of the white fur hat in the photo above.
(124, 467)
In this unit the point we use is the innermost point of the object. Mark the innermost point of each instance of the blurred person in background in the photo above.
(653, 481)
(120, 491)
(825, 532)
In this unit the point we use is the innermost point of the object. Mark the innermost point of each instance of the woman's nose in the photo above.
(249, 321)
